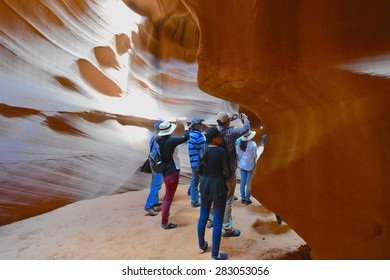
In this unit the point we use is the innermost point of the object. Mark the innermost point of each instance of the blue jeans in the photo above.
(244, 185)
(194, 191)
(219, 209)
(155, 187)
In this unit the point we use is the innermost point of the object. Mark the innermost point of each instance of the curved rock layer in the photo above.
(317, 74)
(82, 83)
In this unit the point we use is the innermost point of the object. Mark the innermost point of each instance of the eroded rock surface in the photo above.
(318, 78)
(84, 81)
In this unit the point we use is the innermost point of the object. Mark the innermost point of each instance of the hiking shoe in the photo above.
(221, 256)
(202, 250)
(168, 226)
(234, 233)
(151, 211)
(248, 202)
(196, 204)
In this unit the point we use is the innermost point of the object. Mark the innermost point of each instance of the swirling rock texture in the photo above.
(82, 85)
(317, 74)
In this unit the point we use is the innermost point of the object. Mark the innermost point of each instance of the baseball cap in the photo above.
(223, 117)
(196, 121)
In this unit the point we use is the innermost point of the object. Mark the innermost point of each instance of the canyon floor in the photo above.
(117, 228)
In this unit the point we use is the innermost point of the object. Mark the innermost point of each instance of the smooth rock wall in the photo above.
(317, 74)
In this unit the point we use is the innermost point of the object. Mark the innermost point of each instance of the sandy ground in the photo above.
(116, 227)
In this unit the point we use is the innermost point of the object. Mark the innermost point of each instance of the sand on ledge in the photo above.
(117, 228)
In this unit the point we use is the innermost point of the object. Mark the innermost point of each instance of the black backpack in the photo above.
(155, 160)
(228, 172)
(201, 167)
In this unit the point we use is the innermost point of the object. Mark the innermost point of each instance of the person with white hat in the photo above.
(229, 137)
(169, 153)
(247, 156)
(153, 199)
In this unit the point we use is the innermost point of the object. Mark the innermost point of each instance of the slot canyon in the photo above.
(83, 82)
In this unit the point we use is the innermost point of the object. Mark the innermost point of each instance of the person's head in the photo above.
(223, 119)
(213, 136)
(248, 135)
(166, 128)
(245, 138)
(196, 124)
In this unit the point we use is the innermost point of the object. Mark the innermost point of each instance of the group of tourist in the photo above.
(222, 148)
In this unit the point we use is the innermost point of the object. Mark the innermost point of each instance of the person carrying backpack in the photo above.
(168, 146)
(153, 198)
(196, 145)
(213, 191)
(229, 137)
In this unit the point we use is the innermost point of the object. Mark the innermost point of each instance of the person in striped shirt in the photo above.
(196, 143)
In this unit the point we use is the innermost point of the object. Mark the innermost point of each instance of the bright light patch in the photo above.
(375, 66)
(122, 17)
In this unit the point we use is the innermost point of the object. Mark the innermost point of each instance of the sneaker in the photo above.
(202, 250)
(278, 219)
(235, 198)
(157, 204)
(168, 226)
(243, 201)
(196, 204)
(221, 256)
(234, 233)
(248, 202)
(151, 211)
(209, 224)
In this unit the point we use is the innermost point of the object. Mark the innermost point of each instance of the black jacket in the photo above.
(167, 148)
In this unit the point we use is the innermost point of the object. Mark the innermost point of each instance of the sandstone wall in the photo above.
(84, 81)
(317, 74)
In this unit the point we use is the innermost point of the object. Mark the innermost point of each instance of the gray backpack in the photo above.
(155, 160)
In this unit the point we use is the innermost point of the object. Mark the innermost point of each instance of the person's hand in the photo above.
(241, 116)
(234, 117)
(182, 121)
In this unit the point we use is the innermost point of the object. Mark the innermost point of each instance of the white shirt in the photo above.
(176, 158)
(247, 159)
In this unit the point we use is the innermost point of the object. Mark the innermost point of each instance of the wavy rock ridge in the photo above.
(80, 93)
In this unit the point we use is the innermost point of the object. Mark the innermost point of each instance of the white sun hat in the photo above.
(166, 128)
(248, 136)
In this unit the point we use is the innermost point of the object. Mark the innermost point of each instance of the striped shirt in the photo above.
(195, 144)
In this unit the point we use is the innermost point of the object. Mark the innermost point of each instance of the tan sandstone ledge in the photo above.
(116, 227)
